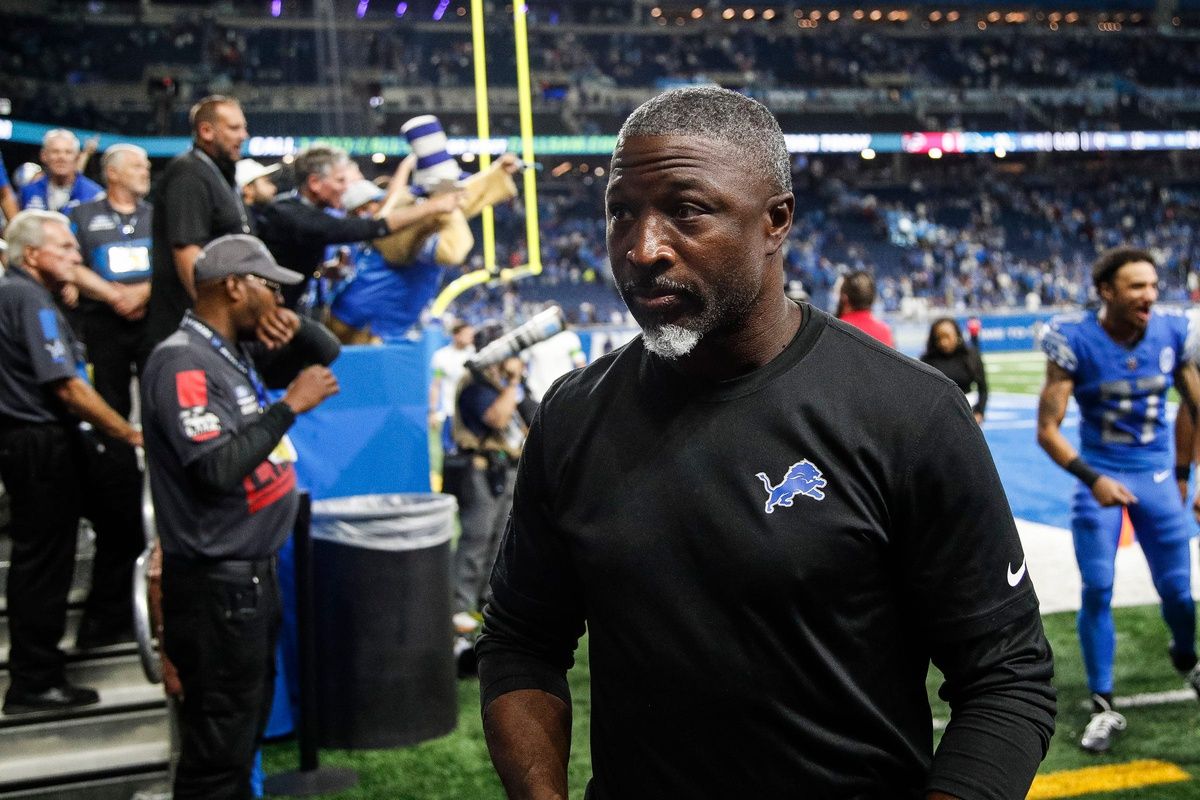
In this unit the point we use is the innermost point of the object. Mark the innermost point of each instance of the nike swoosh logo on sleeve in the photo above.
(1015, 577)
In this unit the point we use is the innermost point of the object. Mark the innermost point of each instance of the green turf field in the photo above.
(456, 767)
(1021, 373)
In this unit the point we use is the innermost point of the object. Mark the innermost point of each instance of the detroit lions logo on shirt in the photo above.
(54, 345)
(803, 477)
(1166, 359)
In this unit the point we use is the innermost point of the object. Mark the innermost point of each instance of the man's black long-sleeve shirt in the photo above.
(766, 568)
(297, 233)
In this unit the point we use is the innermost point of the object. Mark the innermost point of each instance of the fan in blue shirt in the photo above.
(61, 182)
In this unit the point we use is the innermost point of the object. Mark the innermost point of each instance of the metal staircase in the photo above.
(108, 751)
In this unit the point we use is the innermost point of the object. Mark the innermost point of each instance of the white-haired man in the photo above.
(114, 236)
(296, 226)
(43, 397)
(61, 181)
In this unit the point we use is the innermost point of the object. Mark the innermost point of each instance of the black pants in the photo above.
(220, 622)
(112, 501)
(117, 349)
(41, 466)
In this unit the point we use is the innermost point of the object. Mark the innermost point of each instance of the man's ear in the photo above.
(778, 220)
(235, 287)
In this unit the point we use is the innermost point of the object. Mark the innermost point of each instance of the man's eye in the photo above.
(618, 212)
(688, 211)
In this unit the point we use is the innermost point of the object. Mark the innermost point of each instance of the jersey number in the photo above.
(1121, 417)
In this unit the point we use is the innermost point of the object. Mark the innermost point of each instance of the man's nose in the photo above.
(649, 244)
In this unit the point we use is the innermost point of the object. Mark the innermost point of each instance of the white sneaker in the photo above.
(1103, 728)
(1193, 678)
(464, 623)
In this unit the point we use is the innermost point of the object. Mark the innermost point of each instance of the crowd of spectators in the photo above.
(209, 52)
(1021, 238)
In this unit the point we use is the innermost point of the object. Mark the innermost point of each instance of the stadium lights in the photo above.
(952, 16)
(728, 13)
(401, 9)
(835, 15)
(816, 15)
(656, 12)
(935, 16)
(868, 154)
(697, 13)
(1001, 152)
(468, 157)
(599, 172)
(993, 17)
(935, 153)
(440, 11)
(378, 158)
(276, 8)
(858, 14)
(748, 13)
(361, 11)
(769, 14)
(876, 15)
(981, 25)
(561, 169)
(461, 11)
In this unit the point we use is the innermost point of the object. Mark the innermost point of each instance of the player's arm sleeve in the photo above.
(966, 580)
(534, 620)
(190, 218)
(1191, 336)
(1056, 344)
(311, 344)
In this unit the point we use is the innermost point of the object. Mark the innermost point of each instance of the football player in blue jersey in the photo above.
(1119, 361)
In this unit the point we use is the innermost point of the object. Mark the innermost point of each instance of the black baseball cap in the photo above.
(240, 254)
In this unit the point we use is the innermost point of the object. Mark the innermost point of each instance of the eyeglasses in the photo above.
(274, 287)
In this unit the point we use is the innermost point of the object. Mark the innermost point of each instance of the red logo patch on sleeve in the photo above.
(199, 424)
(191, 388)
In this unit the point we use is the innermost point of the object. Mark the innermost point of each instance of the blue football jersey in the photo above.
(1122, 391)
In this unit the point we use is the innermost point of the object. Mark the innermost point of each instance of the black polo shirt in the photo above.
(37, 349)
(195, 201)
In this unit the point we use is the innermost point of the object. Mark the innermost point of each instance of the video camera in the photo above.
(538, 328)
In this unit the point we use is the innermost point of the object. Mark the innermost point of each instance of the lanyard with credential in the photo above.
(218, 344)
(237, 198)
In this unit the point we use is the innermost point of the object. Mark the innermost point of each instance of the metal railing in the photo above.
(143, 621)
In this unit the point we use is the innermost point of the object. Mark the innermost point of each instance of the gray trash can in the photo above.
(381, 586)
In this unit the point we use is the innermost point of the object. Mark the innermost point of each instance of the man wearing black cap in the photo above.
(225, 499)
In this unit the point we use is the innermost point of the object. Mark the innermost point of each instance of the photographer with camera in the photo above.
(491, 416)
